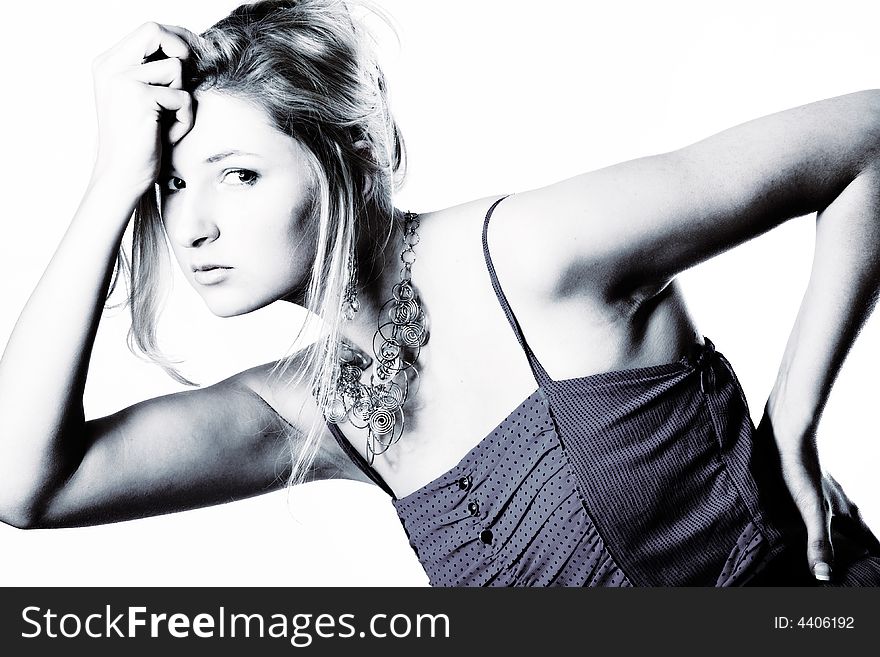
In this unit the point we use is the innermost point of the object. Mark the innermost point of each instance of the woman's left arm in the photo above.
(625, 231)
(841, 294)
(637, 224)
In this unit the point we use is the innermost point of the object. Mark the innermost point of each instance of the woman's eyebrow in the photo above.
(219, 156)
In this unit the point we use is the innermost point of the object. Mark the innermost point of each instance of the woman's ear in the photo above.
(362, 146)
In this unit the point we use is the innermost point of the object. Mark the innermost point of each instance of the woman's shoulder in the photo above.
(466, 212)
(551, 243)
(278, 385)
(527, 251)
(289, 400)
(457, 242)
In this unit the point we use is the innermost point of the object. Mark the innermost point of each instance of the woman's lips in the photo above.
(210, 274)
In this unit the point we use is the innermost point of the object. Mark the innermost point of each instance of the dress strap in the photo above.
(359, 460)
(350, 451)
(538, 370)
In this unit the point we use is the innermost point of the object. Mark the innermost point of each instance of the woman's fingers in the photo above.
(840, 503)
(180, 103)
(817, 518)
(166, 72)
(139, 94)
(146, 41)
(149, 38)
(847, 516)
(803, 477)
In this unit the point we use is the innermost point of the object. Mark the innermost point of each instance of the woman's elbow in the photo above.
(21, 510)
(19, 518)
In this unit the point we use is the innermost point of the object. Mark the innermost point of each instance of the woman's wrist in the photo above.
(792, 418)
(110, 197)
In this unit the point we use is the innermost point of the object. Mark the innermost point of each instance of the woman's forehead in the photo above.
(227, 125)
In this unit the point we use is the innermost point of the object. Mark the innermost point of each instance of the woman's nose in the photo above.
(202, 233)
(191, 225)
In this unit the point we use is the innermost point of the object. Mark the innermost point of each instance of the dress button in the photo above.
(486, 536)
(464, 483)
(474, 508)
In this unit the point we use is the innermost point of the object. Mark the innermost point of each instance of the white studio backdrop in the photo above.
(493, 97)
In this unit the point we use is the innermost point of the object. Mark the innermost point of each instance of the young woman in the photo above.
(536, 398)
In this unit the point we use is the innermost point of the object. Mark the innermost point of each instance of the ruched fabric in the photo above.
(509, 514)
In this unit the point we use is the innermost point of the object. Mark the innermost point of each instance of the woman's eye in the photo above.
(174, 184)
(240, 177)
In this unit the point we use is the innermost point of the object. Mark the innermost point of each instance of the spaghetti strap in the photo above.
(347, 447)
(538, 370)
(359, 460)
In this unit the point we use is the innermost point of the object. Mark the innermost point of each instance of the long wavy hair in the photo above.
(311, 66)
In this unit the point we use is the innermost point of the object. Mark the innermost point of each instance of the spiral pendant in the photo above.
(377, 407)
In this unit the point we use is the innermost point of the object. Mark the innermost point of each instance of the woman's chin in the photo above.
(229, 302)
(232, 308)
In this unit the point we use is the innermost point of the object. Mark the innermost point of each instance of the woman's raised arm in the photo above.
(174, 452)
(637, 224)
(43, 368)
(841, 294)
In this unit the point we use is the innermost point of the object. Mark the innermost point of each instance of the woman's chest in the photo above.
(474, 372)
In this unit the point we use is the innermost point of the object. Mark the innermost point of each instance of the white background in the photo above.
(493, 97)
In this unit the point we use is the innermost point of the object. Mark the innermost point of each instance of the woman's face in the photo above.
(236, 198)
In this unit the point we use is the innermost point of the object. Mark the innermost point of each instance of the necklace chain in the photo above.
(377, 406)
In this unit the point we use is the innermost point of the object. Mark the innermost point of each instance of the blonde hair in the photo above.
(312, 68)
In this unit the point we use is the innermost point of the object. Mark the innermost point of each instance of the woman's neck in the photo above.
(379, 268)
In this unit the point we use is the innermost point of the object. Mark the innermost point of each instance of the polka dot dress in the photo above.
(509, 514)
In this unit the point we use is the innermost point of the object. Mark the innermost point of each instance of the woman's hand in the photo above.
(136, 82)
(805, 501)
(802, 473)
